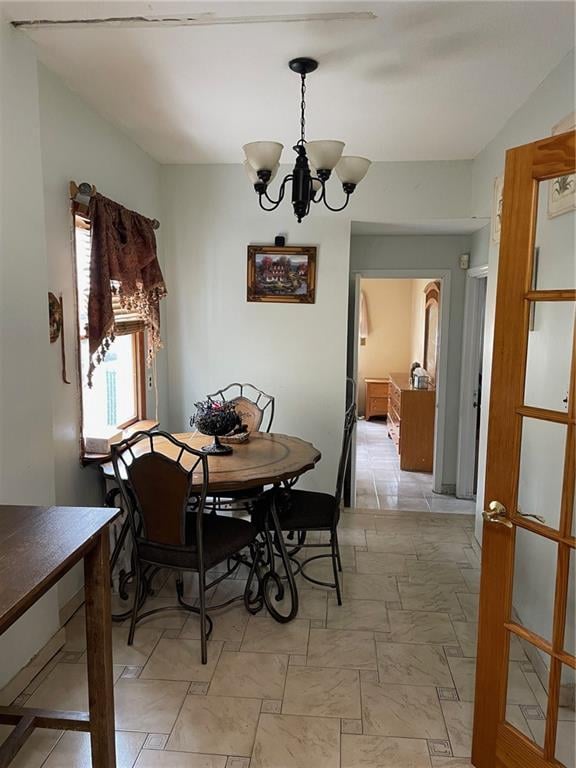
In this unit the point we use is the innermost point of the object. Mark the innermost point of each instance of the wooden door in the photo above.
(528, 559)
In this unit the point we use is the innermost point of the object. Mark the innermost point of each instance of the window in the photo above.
(117, 396)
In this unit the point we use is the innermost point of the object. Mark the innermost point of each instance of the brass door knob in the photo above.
(496, 513)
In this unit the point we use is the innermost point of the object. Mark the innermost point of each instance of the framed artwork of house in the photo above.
(284, 274)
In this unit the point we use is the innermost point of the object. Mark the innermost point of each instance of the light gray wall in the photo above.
(416, 252)
(26, 447)
(122, 171)
(48, 137)
(296, 352)
(480, 246)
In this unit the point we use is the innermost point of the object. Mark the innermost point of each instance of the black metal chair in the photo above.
(156, 474)
(256, 411)
(255, 407)
(300, 512)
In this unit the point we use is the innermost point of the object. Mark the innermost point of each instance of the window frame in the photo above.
(79, 211)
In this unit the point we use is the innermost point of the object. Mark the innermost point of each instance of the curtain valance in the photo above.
(124, 270)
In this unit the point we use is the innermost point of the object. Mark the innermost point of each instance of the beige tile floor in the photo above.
(381, 484)
(384, 681)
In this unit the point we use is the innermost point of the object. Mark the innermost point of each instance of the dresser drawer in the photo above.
(378, 406)
(377, 389)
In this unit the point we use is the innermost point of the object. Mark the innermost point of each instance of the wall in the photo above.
(419, 252)
(296, 352)
(122, 171)
(534, 579)
(389, 341)
(48, 136)
(26, 449)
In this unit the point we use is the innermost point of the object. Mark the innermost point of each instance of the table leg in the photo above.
(99, 652)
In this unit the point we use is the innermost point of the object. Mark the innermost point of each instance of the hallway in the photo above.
(381, 484)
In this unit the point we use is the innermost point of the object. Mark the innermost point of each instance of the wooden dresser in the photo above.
(411, 423)
(376, 397)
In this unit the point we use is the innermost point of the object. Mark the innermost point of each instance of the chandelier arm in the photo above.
(264, 208)
(281, 192)
(334, 210)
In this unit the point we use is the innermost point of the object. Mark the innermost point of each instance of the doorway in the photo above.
(378, 478)
(471, 383)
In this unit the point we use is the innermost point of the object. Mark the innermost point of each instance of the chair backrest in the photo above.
(156, 472)
(349, 424)
(255, 407)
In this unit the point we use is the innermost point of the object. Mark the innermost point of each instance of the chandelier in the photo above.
(315, 161)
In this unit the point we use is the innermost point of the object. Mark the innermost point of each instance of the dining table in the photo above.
(264, 459)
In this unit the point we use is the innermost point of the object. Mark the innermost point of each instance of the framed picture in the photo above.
(497, 208)
(284, 274)
(562, 190)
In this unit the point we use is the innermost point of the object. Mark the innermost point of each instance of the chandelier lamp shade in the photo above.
(315, 161)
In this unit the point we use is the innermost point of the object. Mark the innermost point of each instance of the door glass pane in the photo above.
(534, 582)
(526, 697)
(541, 470)
(570, 633)
(566, 736)
(549, 354)
(555, 234)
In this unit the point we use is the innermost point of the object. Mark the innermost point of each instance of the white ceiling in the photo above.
(423, 81)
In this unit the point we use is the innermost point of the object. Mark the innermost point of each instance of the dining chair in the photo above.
(255, 407)
(256, 410)
(301, 512)
(164, 483)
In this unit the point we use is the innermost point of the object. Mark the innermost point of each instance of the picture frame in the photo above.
(497, 208)
(281, 274)
(562, 190)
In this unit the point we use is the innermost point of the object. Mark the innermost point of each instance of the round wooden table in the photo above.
(264, 459)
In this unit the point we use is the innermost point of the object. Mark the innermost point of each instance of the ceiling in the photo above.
(420, 81)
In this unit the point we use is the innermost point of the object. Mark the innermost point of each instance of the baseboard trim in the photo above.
(69, 609)
(24, 677)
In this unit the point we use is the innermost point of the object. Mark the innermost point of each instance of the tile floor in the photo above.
(384, 681)
(381, 484)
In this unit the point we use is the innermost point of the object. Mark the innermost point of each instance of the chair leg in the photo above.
(334, 548)
(136, 604)
(335, 535)
(202, 598)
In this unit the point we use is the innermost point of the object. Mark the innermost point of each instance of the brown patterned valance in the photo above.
(123, 267)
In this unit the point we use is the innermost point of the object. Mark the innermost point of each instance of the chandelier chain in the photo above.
(303, 109)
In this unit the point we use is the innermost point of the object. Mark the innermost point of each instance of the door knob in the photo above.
(496, 513)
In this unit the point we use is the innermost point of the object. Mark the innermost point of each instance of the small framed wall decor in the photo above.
(285, 274)
(562, 190)
(497, 208)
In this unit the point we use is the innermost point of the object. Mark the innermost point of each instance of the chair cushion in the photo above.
(299, 510)
(222, 537)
